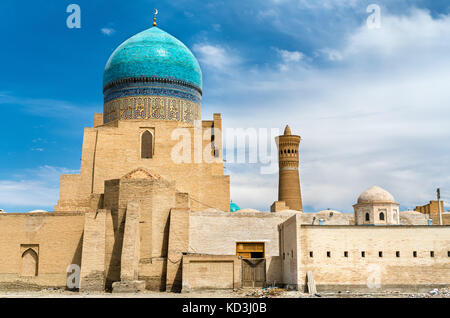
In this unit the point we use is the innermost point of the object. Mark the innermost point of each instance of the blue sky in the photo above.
(371, 105)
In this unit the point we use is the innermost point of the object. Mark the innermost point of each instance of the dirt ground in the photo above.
(241, 293)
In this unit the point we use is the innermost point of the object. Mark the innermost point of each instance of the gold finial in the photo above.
(154, 19)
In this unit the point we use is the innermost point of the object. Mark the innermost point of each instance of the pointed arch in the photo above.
(147, 145)
(29, 263)
(381, 216)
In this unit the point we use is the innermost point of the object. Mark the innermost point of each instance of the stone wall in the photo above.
(216, 233)
(337, 261)
(110, 151)
(289, 250)
(57, 240)
(178, 244)
(155, 197)
(93, 251)
(211, 272)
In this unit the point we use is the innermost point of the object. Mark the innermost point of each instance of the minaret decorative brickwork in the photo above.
(289, 182)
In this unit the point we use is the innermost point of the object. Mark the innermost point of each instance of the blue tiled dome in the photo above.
(234, 207)
(153, 53)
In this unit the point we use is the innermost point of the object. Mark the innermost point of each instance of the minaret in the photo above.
(289, 182)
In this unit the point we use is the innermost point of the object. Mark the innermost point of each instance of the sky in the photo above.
(371, 104)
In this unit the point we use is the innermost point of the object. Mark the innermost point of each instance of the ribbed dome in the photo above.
(153, 53)
(376, 194)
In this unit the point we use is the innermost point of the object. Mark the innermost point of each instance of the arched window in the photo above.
(367, 217)
(29, 263)
(147, 145)
(381, 216)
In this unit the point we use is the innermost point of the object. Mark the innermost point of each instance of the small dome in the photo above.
(376, 194)
(410, 213)
(38, 211)
(212, 210)
(153, 53)
(234, 207)
(249, 210)
(328, 212)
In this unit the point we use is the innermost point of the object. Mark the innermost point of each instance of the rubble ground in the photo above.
(240, 293)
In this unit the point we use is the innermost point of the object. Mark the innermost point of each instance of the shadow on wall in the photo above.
(76, 259)
(274, 271)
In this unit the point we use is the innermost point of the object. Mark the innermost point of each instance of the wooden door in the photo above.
(253, 272)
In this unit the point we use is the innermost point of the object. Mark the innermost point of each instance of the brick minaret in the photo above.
(289, 182)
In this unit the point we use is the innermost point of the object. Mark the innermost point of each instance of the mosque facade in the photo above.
(151, 209)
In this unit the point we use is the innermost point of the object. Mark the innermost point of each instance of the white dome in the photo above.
(327, 212)
(248, 210)
(212, 210)
(410, 213)
(376, 194)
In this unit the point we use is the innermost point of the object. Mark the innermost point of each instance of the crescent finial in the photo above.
(154, 19)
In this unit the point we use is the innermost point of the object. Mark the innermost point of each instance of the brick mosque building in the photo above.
(150, 212)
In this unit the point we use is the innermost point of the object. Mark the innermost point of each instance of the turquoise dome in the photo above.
(234, 207)
(153, 53)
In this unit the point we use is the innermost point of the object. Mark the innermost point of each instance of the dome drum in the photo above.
(152, 75)
(152, 88)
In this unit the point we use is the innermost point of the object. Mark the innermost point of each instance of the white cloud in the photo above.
(331, 55)
(32, 189)
(216, 57)
(290, 56)
(379, 115)
(47, 107)
(108, 31)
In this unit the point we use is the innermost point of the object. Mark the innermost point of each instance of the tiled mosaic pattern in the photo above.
(151, 107)
(153, 53)
(137, 88)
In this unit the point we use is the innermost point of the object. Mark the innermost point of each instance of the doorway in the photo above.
(253, 263)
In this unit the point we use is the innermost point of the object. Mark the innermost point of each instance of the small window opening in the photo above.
(147, 145)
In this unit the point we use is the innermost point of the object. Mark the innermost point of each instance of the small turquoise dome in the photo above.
(234, 207)
(153, 53)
